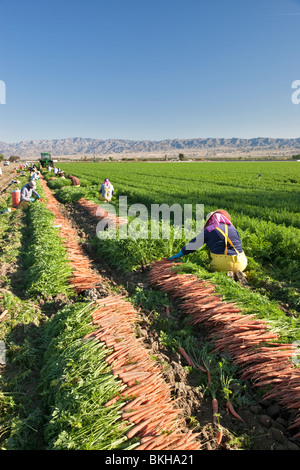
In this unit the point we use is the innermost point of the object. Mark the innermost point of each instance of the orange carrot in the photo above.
(135, 411)
(208, 377)
(137, 415)
(131, 405)
(138, 428)
(132, 374)
(112, 401)
(215, 407)
(146, 439)
(129, 367)
(219, 436)
(233, 412)
(186, 357)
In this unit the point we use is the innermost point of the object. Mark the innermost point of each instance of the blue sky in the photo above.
(149, 70)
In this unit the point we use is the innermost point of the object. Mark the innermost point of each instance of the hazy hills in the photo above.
(205, 147)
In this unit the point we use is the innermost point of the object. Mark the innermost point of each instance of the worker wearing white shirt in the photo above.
(35, 176)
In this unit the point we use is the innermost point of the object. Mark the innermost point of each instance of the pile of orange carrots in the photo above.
(156, 421)
(99, 212)
(251, 344)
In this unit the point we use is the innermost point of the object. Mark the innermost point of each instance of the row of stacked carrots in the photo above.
(83, 277)
(152, 410)
(256, 349)
(99, 212)
(156, 420)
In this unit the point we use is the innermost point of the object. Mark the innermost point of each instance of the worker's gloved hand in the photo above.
(178, 255)
(32, 199)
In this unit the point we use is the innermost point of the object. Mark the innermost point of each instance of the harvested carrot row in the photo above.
(247, 339)
(83, 277)
(149, 391)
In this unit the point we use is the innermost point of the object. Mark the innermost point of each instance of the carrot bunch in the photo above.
(151, 409)
(248, 340)
(99, 213)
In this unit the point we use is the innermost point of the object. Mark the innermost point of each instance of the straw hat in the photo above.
(219, 211)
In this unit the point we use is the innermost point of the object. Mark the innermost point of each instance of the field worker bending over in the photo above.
(223, 242)
(26, 194)
(106, 191)
(75, 181)
(35, 176)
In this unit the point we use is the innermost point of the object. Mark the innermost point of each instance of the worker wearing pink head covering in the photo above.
(106, 191)
(223, 242)
(214, 219)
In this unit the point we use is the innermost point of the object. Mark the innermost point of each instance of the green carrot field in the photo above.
(274, 197)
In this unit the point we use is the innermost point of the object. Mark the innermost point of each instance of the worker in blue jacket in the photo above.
(223, 242)
(27, 191)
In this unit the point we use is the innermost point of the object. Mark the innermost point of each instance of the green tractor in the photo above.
(46, 160)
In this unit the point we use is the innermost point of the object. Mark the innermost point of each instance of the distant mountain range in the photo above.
(87, 146)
